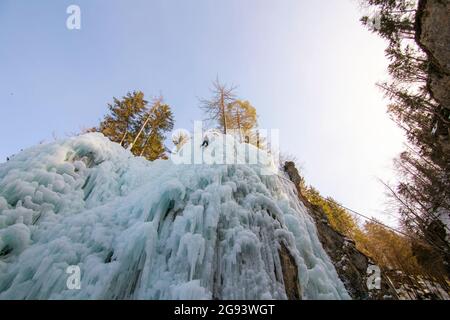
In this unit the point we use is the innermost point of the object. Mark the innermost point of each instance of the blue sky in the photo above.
(309, 68)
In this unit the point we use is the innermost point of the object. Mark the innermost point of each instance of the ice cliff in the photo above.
(154, 230)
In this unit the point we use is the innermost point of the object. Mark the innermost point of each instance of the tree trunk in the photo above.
(140, 131)
(123, 138)
(145, 143)
(239, 126)
(222, 107)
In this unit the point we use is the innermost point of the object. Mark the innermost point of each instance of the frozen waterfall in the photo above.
(153, 230)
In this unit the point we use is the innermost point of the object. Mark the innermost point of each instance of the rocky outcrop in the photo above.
(290, 273)
(419, 287)
(433, 37)
(351, 264)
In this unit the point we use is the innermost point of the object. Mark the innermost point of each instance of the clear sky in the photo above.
(309, 67)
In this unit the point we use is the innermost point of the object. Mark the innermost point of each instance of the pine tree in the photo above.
(151, 131)
(135, 125)
(393, 20)
(123, 115)
(423, 192)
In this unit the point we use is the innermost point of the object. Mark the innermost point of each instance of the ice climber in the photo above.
(205, 141)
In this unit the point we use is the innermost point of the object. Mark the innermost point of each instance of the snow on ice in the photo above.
(152, 230)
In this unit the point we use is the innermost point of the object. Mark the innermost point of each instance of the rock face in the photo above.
(290, 274)
(351, 264)
(433, 37)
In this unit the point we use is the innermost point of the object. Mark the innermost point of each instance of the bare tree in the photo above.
(215, 108)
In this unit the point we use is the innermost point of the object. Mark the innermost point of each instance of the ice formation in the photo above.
(151, 230)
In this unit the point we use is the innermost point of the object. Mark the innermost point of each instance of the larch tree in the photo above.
(242, 117)
(215, 108)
